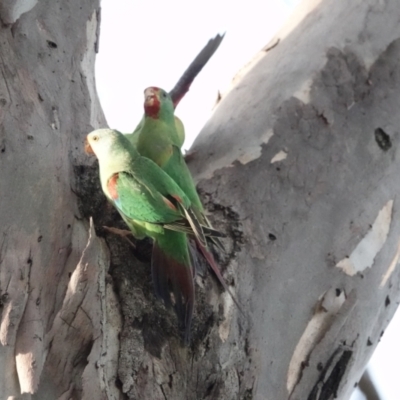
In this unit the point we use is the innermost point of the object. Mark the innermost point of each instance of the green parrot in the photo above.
(159, 141)
(153, 205)
(183, 86)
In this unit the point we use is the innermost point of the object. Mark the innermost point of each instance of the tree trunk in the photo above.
(58, 334)
(304, 150)
(297, 165)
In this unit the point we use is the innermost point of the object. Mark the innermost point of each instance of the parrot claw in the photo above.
(120, 232)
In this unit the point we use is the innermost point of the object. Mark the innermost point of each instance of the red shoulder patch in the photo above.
(169, 204)
(177, 198)
(112, 186)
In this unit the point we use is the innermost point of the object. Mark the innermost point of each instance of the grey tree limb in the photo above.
(367, 387)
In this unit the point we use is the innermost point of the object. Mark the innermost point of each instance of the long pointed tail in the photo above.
(214, 239)
(210, 259)
(185, 227)
(173, 283)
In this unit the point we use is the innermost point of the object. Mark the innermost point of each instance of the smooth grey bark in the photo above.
(298, 165)
(304, 149)
(58, 324)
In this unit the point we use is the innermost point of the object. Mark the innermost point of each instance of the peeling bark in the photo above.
(321, 187)
(59, 314)
(296, 166)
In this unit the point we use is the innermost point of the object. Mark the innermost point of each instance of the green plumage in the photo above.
(151, 203)
(140, 202)
(180, 130)
(157, 139)
(183, 86)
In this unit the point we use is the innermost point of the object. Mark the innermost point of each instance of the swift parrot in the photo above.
(151, 202)
(183, 86)
(158, 140)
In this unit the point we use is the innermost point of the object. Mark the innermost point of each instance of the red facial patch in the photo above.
(112, 187)
(152, 102)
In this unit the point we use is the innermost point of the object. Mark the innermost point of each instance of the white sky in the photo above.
(150, 43)
(140, 47)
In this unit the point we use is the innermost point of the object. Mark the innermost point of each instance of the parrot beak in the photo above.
(150, 97)
(152, 102)
(88, 148)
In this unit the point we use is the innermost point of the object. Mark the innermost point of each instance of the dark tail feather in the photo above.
(183, 85)
(210, 259)
(195, 225)
(184, 226)
(211, 232)
(216, 242)
(194, 256)
(214, 239)
(170, 276)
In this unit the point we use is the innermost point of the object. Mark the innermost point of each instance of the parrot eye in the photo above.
(95, 138)
(164, 94)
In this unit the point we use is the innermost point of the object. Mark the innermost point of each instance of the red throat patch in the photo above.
(151, 102)
(112, 187)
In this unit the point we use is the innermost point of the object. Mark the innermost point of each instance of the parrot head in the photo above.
(157, 102)
(100, 141)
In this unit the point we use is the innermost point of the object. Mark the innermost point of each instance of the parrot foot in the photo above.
(120, 232)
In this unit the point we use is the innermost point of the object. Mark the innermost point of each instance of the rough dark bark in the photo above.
(298, 165)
